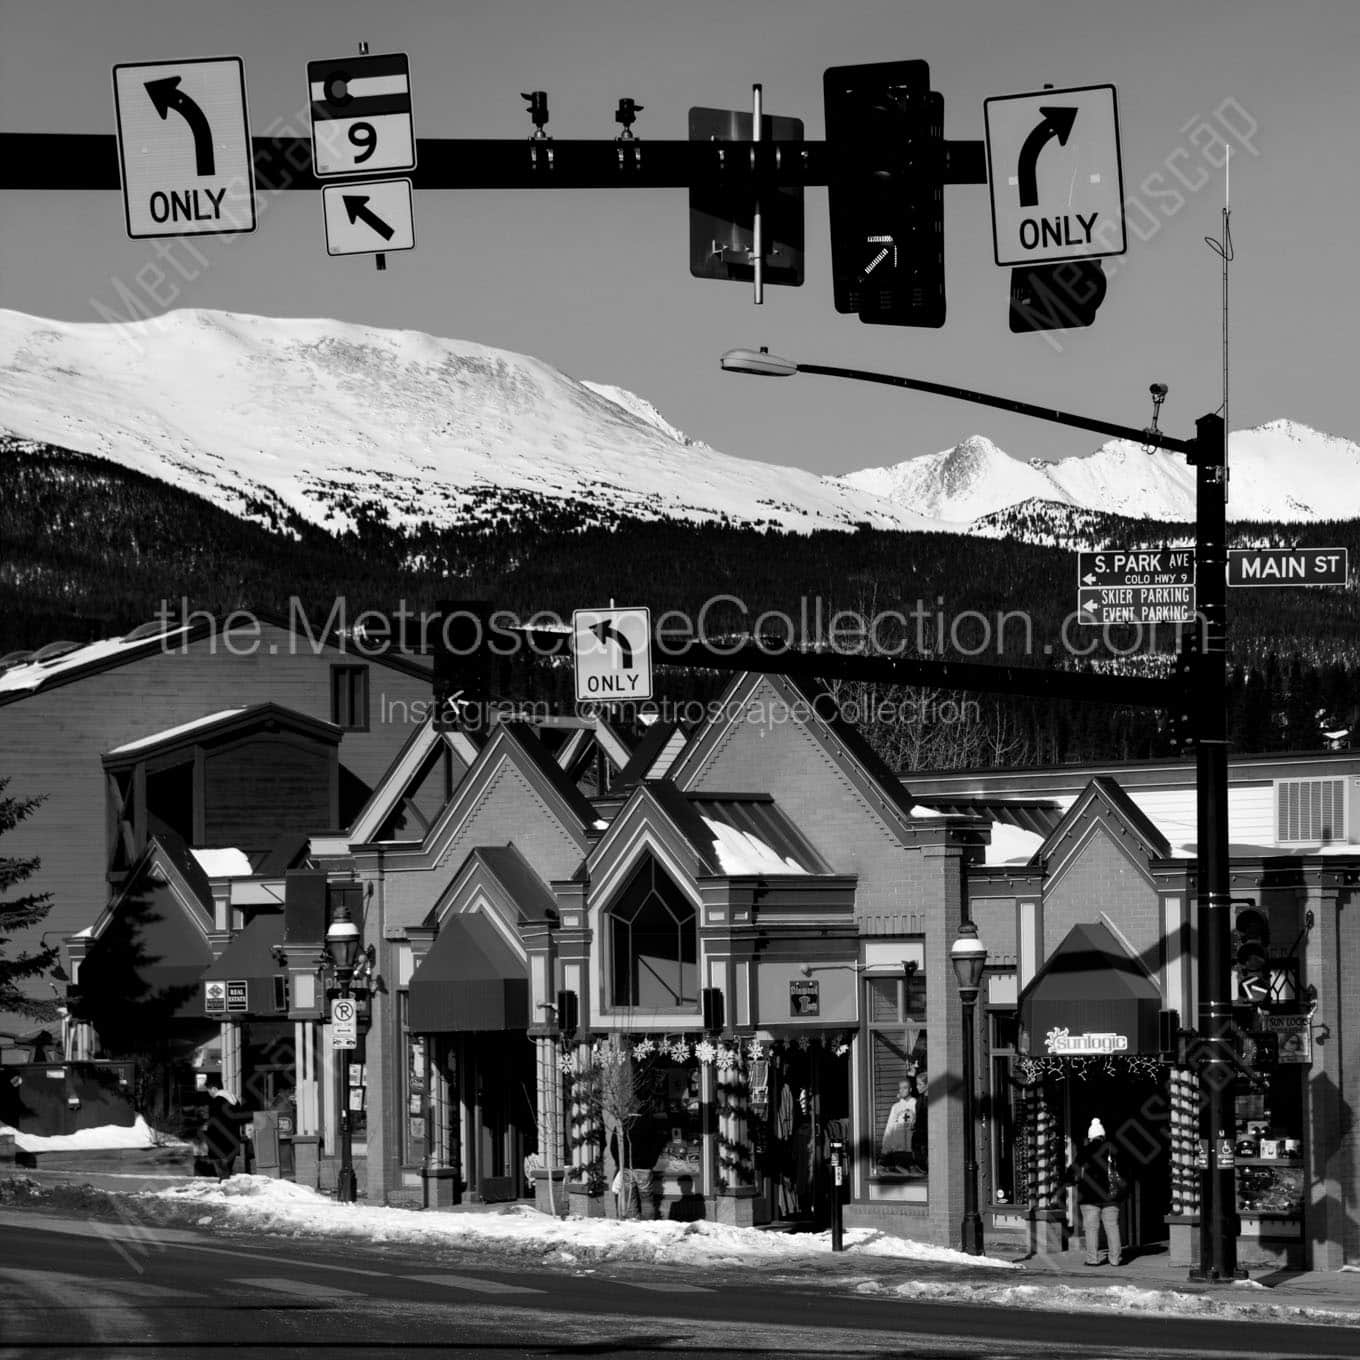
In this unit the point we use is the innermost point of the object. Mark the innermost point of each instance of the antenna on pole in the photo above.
(1224, 249)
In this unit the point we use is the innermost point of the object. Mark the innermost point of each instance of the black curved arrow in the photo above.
(1057, 122)
(356, 205)
(166, 95)
(605, 629)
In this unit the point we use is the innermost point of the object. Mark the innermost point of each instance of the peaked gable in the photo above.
(1103, 801)
(403, 791)
(732, 751)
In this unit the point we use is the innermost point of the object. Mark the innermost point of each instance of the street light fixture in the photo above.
(969, 957)
(342, 953)
(758, 361)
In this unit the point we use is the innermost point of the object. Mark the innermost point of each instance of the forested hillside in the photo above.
(89, 549)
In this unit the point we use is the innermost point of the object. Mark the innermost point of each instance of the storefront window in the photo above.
(899, 1084)
(1003, 1098)
(667, 1136)
(653, 938)
(413, 1090)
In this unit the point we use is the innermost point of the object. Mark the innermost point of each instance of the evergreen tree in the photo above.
(20, 913)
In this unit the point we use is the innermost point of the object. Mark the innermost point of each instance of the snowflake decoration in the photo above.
(644, 1048)
(566, 1065)
(705, 1051)
(755, 1050)
(804, 1042)
(727, 1058)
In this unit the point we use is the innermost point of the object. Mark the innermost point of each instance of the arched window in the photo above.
(654, 943)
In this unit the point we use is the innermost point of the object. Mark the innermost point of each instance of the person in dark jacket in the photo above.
(1100, 1189)
(222, 1132)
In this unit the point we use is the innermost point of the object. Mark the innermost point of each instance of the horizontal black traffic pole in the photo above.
(1033, 681)
(66, 161)
(1024, 408)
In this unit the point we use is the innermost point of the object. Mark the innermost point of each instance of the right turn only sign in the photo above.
(1054, 175)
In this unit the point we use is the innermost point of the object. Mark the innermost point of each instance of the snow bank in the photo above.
(264, 1204)
(102, 1139)
(1236, 1302)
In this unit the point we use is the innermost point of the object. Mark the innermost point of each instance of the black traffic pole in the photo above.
(837, 1196)
(346, 1183)
(1207, 676)
(972, 1219)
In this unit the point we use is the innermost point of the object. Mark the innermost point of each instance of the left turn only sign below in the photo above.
(184, 147)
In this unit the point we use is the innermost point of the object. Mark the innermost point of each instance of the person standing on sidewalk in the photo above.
(1100, 1191)
(222, 1132)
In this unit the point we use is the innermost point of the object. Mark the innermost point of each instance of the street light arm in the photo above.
(1023, 408)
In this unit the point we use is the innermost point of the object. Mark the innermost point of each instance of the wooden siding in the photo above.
(51, 742)
(269, 785)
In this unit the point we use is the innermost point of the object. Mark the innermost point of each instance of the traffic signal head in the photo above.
(1054, 297)
(1251, 958)
(461, 651)
(885, 136)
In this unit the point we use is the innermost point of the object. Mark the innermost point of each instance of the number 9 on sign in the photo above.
(361, 115)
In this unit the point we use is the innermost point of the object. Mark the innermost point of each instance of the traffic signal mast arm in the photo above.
(55, 161)
(669, 649)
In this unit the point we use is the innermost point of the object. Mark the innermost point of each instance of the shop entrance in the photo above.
(498, 1096)
(1135, 1110)
(807, 1106)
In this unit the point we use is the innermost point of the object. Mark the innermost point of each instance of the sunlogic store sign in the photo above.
(1063, 1044)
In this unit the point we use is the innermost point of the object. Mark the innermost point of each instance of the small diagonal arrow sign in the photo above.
(356, 205)
(166, 95)
(1056, 122)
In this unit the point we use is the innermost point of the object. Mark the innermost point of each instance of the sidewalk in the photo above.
(1339, 1289)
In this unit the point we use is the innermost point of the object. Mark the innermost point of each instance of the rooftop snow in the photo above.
(170, 733)
(223, 862)
(31, 675)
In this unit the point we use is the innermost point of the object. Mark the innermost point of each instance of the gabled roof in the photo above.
(500, 867)
(220, 726)
(515, 744)
(529, 746)
(821, 719)
(732, 835)
(405, 771)
(1103, 793)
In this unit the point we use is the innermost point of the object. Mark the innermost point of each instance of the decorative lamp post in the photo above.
(969, 957)
(342, 950)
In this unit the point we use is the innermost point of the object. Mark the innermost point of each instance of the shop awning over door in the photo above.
(1091, 997)
(249, 958)
(470, 980)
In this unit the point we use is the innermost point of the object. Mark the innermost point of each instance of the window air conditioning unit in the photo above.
(1312, 811)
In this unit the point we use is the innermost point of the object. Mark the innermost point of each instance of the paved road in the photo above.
(84, 1289)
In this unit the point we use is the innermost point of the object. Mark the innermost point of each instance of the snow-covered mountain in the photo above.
(1280, 471)
(330, 421)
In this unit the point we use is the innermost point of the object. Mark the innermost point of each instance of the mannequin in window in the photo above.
(895, 1148)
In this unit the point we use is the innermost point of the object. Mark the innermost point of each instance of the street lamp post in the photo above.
(342, 948)
(969, 957)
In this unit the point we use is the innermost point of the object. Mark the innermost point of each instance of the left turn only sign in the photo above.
(184, 147)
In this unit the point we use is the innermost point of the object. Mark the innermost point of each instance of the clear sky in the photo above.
(598, 283)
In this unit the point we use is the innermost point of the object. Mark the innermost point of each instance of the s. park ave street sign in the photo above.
(1054, 175)
(1136, 585)
(184, 147)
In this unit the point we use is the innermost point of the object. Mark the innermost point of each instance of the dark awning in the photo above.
(470, 980)
(248, 959)
(1091, 997)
